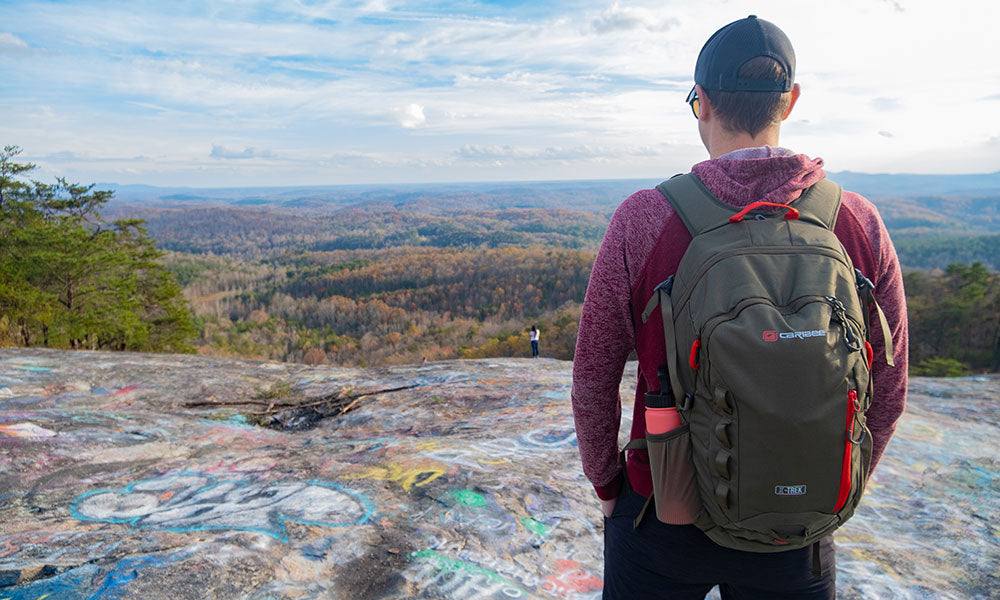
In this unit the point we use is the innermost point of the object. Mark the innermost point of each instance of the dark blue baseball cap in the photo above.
(732, 46)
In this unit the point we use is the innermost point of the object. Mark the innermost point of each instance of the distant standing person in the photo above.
(534, 342)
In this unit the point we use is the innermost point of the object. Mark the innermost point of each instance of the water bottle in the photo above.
(661, 410)
(674, 487)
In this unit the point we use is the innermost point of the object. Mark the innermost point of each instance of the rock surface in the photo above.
(467, 485)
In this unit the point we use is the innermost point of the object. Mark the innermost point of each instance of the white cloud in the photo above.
(221, 152)
(377, 6)
(63, 156)
(410, 116)
(10, 42)
(579, 91)
(584, 152)
(628, 18)
(886, 104)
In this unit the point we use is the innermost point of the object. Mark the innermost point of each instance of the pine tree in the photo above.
(70, 279)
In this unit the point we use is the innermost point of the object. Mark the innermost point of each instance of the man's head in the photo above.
(747, 72)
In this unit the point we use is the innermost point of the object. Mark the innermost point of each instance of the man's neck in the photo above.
(723, 142)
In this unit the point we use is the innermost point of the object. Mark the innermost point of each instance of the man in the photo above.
(744, 88)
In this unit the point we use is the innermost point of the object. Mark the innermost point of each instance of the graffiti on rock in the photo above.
(508, 514)
(572, 578)
(469, 487)
(550, 438)
(452, 578)
(406, 476)
(537, 444)
(26, 430)
(195, 502)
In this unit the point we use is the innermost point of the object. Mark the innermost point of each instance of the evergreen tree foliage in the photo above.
(954, 316)
(70, 279)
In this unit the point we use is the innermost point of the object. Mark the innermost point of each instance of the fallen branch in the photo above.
(334, 399)
(237, 403)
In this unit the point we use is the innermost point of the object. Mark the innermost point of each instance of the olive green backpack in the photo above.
(766, 325)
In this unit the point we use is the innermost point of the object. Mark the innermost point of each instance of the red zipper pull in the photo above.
(845, 471)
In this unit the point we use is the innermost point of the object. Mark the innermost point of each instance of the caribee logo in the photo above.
(771, 335)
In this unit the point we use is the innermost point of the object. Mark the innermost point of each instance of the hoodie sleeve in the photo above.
(605, 340)
(890, 382)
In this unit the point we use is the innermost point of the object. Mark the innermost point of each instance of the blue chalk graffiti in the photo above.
(186, 502)
(125, 571)
(79, 583)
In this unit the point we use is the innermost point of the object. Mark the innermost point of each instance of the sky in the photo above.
(218, 93)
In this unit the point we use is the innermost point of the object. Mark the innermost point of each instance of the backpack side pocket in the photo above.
(675, 491)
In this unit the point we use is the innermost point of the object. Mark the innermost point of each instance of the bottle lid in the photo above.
(659, 400)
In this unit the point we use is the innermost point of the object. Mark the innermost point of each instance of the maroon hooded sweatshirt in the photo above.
(643, 246)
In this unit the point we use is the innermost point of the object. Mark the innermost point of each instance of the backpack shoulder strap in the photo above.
(820, 203)
(701, 211)
(697, 207)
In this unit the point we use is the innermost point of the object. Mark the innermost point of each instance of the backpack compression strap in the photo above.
(661, 298)
(636, 444)
(867, 290)
(701, 211)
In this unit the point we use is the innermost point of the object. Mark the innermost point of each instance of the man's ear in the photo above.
(705, 107)
(795, 96)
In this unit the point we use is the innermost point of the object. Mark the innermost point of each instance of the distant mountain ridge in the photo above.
(588, 195)
(596, 196)
(934, 219)
(877, 185)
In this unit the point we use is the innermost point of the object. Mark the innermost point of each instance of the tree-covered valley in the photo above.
(370, 275)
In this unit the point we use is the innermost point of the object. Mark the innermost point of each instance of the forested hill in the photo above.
(597, 196)
(935, 219)
(395, 274)
(381, 275)
(589, 195)
(390, 274)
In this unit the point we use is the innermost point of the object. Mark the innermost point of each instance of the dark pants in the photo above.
(534, 348)
(679, 562)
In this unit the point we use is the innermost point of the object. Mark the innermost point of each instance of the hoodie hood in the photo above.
(759, 174)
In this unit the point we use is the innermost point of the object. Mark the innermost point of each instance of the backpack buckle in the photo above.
(861, 281)
(666, 286)
(840, 312)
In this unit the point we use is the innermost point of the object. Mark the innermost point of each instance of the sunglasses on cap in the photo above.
(695, 103)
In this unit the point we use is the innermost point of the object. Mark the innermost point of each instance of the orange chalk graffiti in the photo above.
(571, 578)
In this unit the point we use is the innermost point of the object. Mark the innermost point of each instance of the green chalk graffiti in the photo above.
(535, 526)
(469, 497)
(443, 563)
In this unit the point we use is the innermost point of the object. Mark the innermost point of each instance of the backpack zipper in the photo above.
(792, 308)
(853, 406)
(753, 250)
(851, 339)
